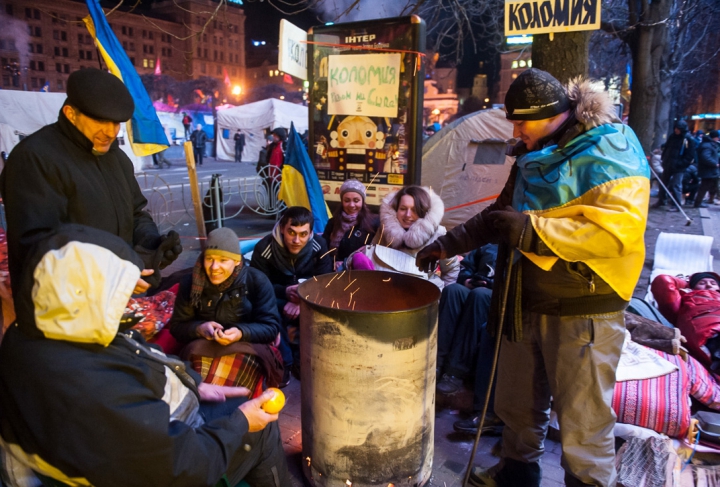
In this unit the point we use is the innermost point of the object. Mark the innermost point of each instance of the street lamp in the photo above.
(236, 90)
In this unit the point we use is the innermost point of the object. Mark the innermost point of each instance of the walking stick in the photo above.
(687, 218)
(496, 353)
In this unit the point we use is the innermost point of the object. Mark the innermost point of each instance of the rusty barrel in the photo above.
(368, 346)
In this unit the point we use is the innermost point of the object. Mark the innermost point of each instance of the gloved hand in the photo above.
(426, 260)
(163, 256)
(509, 223)
(170, 247)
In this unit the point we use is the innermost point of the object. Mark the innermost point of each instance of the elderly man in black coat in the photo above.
(73, 171)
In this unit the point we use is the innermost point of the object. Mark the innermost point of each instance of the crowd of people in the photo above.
(547, 267)
(689, 167)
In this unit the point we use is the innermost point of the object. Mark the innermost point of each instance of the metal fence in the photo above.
(171, 205)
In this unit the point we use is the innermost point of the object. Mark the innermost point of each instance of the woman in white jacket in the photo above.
(409, 221)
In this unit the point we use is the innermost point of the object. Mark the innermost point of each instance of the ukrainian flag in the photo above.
(145, 131)
(300, 185)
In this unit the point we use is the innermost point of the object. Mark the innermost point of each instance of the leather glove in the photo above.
(426, 260)
(509, 223)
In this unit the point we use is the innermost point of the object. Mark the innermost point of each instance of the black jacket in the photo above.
(708, 159)
(248, 305)
(313, 260)
(349, 243)
(239, 139)
(679, 152)
(51, 178)
(198, 138)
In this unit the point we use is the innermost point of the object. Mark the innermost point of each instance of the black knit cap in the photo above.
(535, 95)
(100, 95)
(695, 278)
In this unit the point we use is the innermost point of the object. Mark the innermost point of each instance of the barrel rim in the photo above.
(388, 273)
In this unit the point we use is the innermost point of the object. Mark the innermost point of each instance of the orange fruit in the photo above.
(274, 405)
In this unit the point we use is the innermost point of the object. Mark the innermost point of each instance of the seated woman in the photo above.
(226, 314)
(409, 221)
(693, 306)
(352, 224)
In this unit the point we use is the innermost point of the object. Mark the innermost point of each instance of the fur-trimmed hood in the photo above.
(421, 233)
(592, 107)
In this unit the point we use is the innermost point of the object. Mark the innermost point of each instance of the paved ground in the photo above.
(452, 450)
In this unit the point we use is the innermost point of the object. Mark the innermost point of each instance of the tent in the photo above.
(466, 165)
(253, 119)
(24, 112)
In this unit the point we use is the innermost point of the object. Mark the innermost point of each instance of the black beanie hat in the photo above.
(535, 95)
(681, 125)
(713, 134)
(695, 278)
(100, 95)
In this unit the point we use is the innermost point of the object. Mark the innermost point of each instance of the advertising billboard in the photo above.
(365, 104)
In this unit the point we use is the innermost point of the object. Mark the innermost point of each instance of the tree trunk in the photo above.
(565, 57)
(647, 52)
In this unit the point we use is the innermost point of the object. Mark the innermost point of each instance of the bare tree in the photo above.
(663, 37)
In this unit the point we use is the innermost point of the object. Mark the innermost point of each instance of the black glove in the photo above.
(426, 260)
(163, 256)
(170, 247)
(509, 223)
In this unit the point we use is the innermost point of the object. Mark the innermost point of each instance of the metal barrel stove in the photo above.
(368, 354)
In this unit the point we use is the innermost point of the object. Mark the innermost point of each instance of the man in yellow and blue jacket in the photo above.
(570, 222)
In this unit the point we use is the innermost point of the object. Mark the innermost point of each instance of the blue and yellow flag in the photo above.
(300, 185)
(588, 202)
(145, 131)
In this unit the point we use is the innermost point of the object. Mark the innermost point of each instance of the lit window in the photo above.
(514, 65)
(145, 63)
(522, 63)
(529, 63)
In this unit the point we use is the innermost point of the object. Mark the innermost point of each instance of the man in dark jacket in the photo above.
(570, 255)
(292, 252)
(708, 168)
(678, 154)
(239, 139)
(198, 139)
(106, 409)
(73, 171)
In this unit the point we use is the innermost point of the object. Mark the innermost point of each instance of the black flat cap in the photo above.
(100, 95)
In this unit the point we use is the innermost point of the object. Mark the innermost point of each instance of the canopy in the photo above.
(253, 119)
(25, 112)
(466, 165)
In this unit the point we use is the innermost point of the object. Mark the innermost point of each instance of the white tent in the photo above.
(465, 163)
(25, 112)
(253, 119)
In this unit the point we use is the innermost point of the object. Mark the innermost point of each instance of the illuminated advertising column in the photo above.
(365, 104)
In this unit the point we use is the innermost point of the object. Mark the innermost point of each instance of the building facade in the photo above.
(42, 42)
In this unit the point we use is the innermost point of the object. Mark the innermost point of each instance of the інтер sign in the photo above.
(364, 84)
(545, 16)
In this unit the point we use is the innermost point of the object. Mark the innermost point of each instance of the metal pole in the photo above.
(216, 200)
(679, 207)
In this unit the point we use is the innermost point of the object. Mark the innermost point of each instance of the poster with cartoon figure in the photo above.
(366, 104)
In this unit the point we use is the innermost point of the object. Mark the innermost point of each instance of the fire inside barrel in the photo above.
(368, 352)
